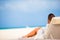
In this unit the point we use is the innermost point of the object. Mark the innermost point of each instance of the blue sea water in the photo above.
(21, 27)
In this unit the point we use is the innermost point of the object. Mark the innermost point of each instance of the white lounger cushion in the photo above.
(55, 20)
(53, 30)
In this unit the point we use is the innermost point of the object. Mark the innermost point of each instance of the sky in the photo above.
(18, 13)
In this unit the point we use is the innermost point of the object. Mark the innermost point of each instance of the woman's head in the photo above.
(50, 16)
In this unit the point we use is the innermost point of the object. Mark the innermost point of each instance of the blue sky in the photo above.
(17, 13)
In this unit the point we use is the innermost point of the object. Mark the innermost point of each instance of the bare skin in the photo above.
(32, 33)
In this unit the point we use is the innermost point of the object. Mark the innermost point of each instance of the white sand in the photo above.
(14, 33)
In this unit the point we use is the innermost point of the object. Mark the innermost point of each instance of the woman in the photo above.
(34, 32)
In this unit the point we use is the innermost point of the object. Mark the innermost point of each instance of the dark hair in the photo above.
(50, 16)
